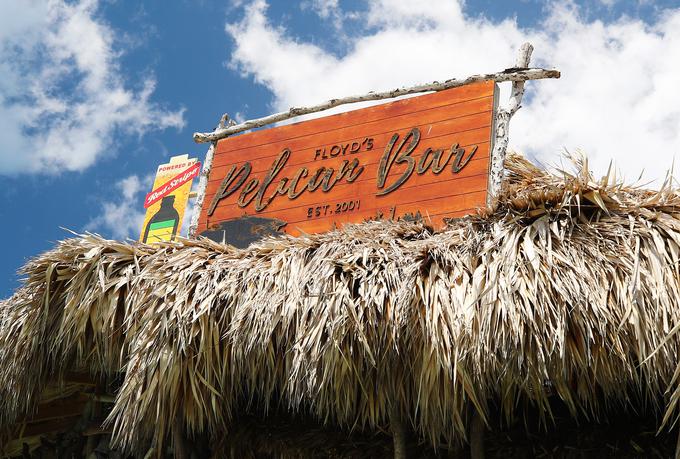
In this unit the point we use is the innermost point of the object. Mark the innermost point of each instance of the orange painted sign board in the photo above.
(424, 156)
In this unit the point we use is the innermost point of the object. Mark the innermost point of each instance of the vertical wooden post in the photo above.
(178, 442)
(398, 431)
(203, 181)
(502, 126)
(202, 185)
(477, 428)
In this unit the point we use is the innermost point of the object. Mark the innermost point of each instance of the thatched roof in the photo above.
(568, 288)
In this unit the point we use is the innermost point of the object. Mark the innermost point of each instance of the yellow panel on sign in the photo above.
(165, 205)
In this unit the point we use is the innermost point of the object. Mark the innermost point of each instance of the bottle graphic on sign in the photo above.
(163, 224)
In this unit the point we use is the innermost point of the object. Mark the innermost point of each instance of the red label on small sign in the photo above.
(172, 184)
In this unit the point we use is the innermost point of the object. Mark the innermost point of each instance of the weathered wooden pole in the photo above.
(519, 74)
(398, 429)
(178, 441)
(500, 147)
(503, 116)
(477, 429)
(203, 181)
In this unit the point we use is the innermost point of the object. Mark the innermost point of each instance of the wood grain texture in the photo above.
(432, 149)
(344, 126)
(371, 165)
(365, 187)
(306, 156)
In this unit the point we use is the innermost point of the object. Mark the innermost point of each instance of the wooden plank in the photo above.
(55, 425)
(451, 205)
(368, 114)
(371, 165)
(439, 135)
(426, 155)
(437, 211)
(473, 114)
(435, 206)
(96, 428)
(364, 185)
(65, 407)
(474, 174)
(85, 379)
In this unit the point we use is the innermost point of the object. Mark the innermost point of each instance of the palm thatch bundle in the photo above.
(568, 288)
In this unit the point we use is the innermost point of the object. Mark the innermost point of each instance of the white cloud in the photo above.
(326, 9)
(617, 98)
(123, 216)
(63, 96)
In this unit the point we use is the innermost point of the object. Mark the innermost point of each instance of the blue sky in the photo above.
(94, 95)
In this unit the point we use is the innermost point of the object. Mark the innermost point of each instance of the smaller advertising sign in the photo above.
(166, 203)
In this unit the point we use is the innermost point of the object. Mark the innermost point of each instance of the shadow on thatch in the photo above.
(566, 290)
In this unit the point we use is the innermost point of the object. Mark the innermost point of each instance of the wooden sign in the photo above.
(426, 156)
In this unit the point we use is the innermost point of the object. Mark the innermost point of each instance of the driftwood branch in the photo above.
(517, 94)
(517, 74)
(502, 126)
(202, 186)
(203, 180)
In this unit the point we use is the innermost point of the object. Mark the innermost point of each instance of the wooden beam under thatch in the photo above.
(567, 289)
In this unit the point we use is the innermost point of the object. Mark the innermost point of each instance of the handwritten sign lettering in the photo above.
(171, 185)
(426, 155)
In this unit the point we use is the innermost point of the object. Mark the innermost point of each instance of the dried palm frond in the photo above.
(567, 286)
